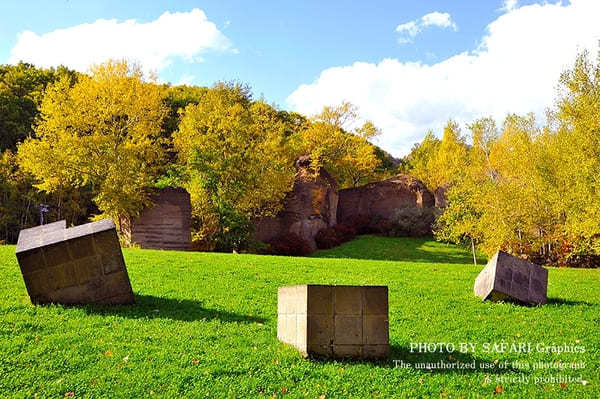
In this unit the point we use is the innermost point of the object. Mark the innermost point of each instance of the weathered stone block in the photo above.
(79, 265)
(506, 277)
(335, 321)
(166, 224)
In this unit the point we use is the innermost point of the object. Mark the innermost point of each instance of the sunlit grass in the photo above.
(205, 326)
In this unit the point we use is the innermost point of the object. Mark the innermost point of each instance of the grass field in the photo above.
(205, 326)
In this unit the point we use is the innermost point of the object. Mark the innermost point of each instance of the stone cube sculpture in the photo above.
(78, 265)
(334, 321)
(509, 278)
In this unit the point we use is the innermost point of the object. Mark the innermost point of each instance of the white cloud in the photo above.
(411, 29)
(509, 5)
(515, 68)
(441, 19)
(154, 44)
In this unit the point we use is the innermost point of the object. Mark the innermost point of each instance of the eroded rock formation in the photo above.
(309, 207)
(383, 198)
(441, 196)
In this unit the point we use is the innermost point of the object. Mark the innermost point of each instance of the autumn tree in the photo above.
(501, 199)
(438, 162)
(20, 200)
(337, 141)
(418, 161)
(576, 147)
(103, 131)
(176, 98)
(239, 156)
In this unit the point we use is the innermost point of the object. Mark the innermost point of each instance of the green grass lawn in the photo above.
(205, 326)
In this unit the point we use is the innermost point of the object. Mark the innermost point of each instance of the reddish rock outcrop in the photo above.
(441, 195)
(309, 207)
(386, 201)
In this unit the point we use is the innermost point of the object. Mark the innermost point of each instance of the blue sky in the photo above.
(279, 46)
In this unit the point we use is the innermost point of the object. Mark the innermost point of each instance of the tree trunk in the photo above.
(473, 249)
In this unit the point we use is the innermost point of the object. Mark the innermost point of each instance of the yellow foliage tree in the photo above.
(437, 162)
(103, 131)
(239, 157)
(333, 142)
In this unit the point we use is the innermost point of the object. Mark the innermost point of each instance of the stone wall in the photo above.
(165, 225)
(401, 205)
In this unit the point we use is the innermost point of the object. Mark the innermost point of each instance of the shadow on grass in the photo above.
(456, 363)
(422, 250)
(568, 302)
(153, 307)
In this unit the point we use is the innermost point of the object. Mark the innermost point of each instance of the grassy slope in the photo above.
(205, 325)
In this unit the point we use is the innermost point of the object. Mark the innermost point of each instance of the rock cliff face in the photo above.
(309, 207)
(400, 206)
(382, 199)
(441, 196)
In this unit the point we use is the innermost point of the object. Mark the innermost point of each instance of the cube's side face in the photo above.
(348, 321)
(320, 320)
(516, 272)
(338, 321)
(375, 323)
(507, 277)
(84, 268)
(484, 283)
(520, 280)
(538, 286)
(292, 316)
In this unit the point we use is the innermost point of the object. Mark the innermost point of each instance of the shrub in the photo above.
(411, 221)
(379, 225)
(253, 246)
(290, 244)
(589, 261)
(327, 238)
(345, 232)
(333, 236)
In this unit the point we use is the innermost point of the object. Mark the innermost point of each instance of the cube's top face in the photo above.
(27, 236)
(505, 258)
(52, 233)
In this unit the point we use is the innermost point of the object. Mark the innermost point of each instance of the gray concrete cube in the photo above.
(509, 278)
(80, 265)
(335, 321)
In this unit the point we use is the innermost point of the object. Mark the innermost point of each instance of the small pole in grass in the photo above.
(43, 210)
(473, 249)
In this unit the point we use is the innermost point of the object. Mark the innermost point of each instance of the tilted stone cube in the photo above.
(509, 278)
(79, 265)
(335, 321)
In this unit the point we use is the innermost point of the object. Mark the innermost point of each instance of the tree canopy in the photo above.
(103, 131)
